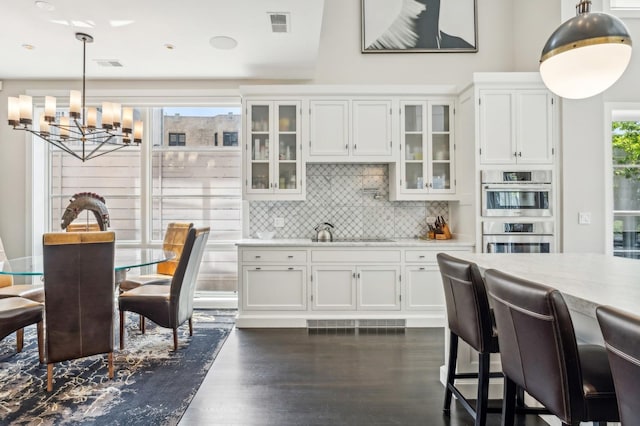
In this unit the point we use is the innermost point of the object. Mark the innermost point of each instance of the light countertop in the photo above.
(307, 242)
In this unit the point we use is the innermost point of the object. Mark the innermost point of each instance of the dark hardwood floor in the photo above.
(291, 377)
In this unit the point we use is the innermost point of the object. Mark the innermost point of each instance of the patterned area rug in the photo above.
(152, 385)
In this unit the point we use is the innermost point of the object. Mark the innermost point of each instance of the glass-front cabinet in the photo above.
(427, 149)
(273, 149)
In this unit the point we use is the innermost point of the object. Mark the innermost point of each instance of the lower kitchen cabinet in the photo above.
(288, 286)
(274, 288)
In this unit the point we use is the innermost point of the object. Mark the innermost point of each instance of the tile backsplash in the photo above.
(352, 197)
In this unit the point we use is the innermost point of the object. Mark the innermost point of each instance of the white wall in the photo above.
(510, 37)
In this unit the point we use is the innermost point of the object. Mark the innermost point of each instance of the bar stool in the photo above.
(621, 332)
(540, 354)
(469, 319)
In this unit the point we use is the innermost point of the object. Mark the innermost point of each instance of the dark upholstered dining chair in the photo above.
(79, 296)
(169, 306)
(469, 319)
(17, 313)
(539, 353)
(9, 289)
(621, 332)
(174, 239)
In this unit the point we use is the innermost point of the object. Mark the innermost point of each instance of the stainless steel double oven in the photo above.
(517, 212)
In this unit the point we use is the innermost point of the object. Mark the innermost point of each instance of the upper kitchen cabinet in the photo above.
(427, 151)
(515, 126)
(273, 150)
(350, 130)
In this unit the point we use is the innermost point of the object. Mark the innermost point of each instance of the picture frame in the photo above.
(419, 26)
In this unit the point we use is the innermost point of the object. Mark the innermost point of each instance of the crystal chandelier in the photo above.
(116, 130)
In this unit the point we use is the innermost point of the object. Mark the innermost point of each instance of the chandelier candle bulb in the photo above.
(26, 109)
(75, 103)
(107, 115)
(116, 112)
(137, 132)
(92, 117)
(44, 125)
(13, 114)
(64, 127)
(49, 108)
(127, 120)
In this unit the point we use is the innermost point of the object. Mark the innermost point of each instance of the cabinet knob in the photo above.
(275, 185)
(520, 154)
(358, 275)
(421, 256)
(355, 146)
(422, 269)
(290, 268)
(258, 268)
(515, 154)
(354, 275)
(258, 257)
(290, 257)
(346, 146)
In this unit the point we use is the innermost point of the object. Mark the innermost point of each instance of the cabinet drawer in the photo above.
(356, 256)
(288, 256)
(421, 256)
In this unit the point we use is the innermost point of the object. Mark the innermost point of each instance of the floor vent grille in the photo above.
(352, 326)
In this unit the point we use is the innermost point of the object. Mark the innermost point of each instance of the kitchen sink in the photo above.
(356, 240)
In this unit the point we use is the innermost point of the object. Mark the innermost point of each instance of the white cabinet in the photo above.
(423, 288)
(378, 288)
(427, 151)
(276, 287)
(333, 287)
(516, 126)
(348, 130)
(273, 150)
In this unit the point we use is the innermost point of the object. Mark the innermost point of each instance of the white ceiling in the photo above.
(140, 45)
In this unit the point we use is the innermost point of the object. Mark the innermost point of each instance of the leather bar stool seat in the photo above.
(621, 332)
(540, 354)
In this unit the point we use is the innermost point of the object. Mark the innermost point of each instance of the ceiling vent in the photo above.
(280, 22)
(108, 62)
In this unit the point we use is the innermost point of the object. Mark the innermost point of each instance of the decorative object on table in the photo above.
(73, 134)
(436, 229)
(419, 26)
(169, 306)
(586, 54)
(86, 201)
(144, 392)
(79, 277)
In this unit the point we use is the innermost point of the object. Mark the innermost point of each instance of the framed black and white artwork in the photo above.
(419, 26)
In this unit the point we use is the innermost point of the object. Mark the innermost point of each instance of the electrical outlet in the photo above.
(278, 222)
(584, 218)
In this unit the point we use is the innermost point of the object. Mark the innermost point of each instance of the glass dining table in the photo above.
(126, 258)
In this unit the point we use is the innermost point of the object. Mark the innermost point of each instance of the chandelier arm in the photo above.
(98, 147)
(90, 157)
(54, 142)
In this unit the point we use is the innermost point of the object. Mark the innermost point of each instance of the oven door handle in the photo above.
(517, 187)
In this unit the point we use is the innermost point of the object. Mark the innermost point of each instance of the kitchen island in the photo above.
(365, 283)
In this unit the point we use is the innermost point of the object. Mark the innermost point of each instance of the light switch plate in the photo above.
(584, 218)
(278, 222)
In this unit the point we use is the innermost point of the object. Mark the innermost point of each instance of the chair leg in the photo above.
(121, 330)
(451, 371)
(190, 327)
(110, 362)
(143, 327)
(41, 341)
(49, 377)
(19, 340)
(175, 338)
(509, 402)
(483, 389)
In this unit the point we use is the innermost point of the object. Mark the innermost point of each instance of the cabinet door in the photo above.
(333, 288)
(279, 288)
(496, 127)
(378, 287)
(372, 127)
(534, 118)
(328, 128)
(441, 148)
(413, 148)
(423, 288)
(258, 151)
(287, 158)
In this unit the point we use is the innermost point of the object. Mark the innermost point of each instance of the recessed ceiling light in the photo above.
(223, 42)
(120, 23)
(44, 5)
(28, 46)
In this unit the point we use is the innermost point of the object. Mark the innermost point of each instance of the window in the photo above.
(230, 138)
(623, 8)
(625, 154)
(177, 139)
(198, 183)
